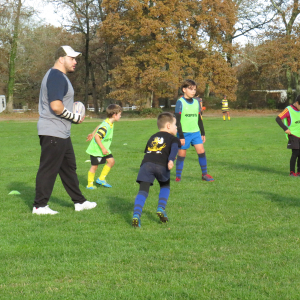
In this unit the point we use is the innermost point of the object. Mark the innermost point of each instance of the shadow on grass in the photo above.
(248, 167)
(83, 180)
(282, 200)
(28, 195)
(151, 215)
(121, 207)
(125, 208)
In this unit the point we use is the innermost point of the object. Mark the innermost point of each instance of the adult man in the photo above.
(54, 125)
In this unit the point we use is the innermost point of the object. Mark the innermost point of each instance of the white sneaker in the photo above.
(44, 211)
(85, 205)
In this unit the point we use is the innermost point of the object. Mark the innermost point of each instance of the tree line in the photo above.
(138, 52)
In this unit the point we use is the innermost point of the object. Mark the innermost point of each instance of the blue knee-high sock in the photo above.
(163, 197)
(179, 165)
(139, 202)
(203, 163)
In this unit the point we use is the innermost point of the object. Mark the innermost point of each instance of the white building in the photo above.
(2, 103)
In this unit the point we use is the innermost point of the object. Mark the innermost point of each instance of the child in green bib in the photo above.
(190, 129)
(289, 121)
(99, 147)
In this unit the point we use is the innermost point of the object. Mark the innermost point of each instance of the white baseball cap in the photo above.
(70, 52)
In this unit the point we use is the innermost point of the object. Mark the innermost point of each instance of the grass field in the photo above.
(235, 238)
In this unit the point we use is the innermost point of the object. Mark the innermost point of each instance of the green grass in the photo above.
(235, 238)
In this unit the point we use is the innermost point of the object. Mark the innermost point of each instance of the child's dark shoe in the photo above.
(136, 221)
(207, 177)
(294, 174)
(162, 215)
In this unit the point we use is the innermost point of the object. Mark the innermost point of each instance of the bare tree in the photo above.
(252, 16)
(83, 19)
(288, 12)
(12, 56)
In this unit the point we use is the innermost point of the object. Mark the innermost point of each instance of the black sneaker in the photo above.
(162, 215)
(136, 221)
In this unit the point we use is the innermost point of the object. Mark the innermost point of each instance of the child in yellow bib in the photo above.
(99, 147)
(225, 108)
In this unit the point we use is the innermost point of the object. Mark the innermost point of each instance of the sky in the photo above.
(45, 10)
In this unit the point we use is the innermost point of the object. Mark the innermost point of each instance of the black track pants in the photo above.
(57, 157)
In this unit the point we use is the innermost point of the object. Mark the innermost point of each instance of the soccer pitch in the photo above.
(234, 238)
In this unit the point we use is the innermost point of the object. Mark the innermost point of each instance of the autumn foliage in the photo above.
(138, 52)
(164, 42)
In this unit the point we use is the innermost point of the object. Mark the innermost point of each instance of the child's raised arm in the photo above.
(91, 135)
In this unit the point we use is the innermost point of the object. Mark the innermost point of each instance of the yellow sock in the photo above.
(104, 172)
(91, 177)
(223, 117)
(228, 118)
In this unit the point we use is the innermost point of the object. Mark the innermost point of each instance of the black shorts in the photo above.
(149, 171)
(99, 160)
(294, 142)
